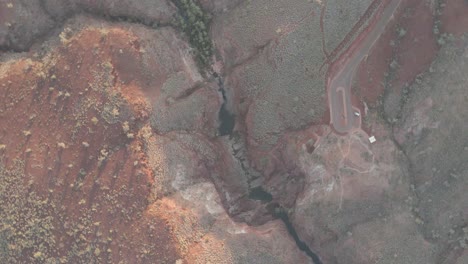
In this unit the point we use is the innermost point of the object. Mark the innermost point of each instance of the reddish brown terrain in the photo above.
(119, 145)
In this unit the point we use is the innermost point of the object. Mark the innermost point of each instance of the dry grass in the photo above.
(25, 220)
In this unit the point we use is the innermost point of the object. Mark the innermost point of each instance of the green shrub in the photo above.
(194, 22)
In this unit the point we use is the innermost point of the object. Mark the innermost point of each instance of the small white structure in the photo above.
(356, 113)
(372, 139)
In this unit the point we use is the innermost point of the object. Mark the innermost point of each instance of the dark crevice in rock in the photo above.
(300, 244)
(128, 19)
(280, 213)
(259, 194)
(227, 121)
(258, 51)
(187, 93)
(226, 118)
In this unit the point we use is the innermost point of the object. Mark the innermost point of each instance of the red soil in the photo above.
(418, 48)
(414, 51)
(53, 117)
(455, 17)
(371, 72)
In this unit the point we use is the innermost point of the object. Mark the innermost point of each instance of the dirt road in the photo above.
(342, 116)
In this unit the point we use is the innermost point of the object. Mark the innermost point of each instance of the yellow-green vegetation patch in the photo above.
(35, 229)
(115, 110)
(25, 220)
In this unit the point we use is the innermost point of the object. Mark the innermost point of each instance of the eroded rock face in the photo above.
(22, 22)
(429, 133)
(345, 186)
(110, 135)
(350, 185)
(72, 123)
(94, 126)
(160, 11)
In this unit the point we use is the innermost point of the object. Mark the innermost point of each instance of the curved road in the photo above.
(339, 86)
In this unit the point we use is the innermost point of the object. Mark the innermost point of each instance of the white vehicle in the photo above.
(356, 113)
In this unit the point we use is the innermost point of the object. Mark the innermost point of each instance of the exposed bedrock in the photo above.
(112, 126)
(336, 190)
(122, 149)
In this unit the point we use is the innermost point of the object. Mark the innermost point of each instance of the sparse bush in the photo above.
(32, 224)
(26, 224)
